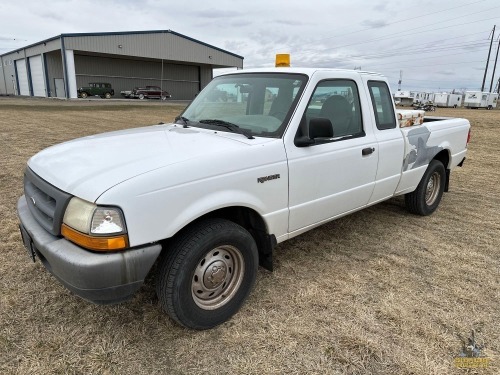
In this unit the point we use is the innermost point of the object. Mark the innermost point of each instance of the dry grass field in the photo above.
(377, 292)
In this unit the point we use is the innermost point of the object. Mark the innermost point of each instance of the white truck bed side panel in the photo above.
(424, 142)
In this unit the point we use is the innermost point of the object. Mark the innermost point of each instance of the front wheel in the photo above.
(83, 95)
(426, 197)
(207, 273)
(141, 96)
(107, 95)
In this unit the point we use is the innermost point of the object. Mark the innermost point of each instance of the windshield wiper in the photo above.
(184, 120)
(228, 125)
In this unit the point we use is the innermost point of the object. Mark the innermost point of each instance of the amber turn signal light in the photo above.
(95, 243)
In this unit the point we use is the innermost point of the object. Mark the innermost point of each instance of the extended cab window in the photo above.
(382, 105)
(338, 102)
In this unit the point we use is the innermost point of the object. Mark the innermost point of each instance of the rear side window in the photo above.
(382, 105)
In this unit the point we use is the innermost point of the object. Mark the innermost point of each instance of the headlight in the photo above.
(94, 227)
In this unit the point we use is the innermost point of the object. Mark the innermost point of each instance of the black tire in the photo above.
(207, 273)
(141, 96)
(426, 197)
(84, 95)
(107, 95)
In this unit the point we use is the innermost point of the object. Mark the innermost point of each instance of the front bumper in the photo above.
(101, 278)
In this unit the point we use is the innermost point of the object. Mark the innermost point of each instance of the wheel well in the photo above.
(443, 157)
(254, 224)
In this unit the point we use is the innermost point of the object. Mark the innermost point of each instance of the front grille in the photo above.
(46, 202)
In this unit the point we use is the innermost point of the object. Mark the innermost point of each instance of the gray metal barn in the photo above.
(58, 66)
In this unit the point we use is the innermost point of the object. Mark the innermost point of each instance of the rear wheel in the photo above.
(207, 273)
(426, 197)
(83, 95)
(107, 95)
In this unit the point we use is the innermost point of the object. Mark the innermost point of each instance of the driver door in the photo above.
(331, 179)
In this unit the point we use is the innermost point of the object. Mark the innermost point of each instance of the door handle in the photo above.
(367, 151)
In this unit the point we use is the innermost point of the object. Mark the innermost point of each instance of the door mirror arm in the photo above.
(304, 141)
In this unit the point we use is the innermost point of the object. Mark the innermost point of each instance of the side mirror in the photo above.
(320, 127)
(320, 131)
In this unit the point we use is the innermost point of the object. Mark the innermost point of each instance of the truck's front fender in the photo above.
(160, 203)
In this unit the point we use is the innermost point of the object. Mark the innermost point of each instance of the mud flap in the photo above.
(447, 182)
(266, 252)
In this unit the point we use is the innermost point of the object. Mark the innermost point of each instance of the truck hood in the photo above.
(89, 166)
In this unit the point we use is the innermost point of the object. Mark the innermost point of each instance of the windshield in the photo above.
(259, 104)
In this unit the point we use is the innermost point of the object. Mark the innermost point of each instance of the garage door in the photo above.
(37, 76)
(22, 77)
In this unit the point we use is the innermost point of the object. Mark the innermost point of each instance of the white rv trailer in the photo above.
(447, 100)
(422, 97)
(416, 95)
(454, 100)
(428, 97)
(441, 99)
(478, 99)
(403, 97)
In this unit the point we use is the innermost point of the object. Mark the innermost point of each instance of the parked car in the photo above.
(104, 90)
(126, 93)
(149, 92)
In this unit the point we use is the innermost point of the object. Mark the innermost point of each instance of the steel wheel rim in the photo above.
(432, 189)
(217, 277)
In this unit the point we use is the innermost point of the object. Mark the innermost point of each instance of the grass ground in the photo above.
(377, 292)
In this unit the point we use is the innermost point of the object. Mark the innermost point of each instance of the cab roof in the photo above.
(307, 71)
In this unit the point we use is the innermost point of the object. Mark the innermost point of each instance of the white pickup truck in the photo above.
(208, 197)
